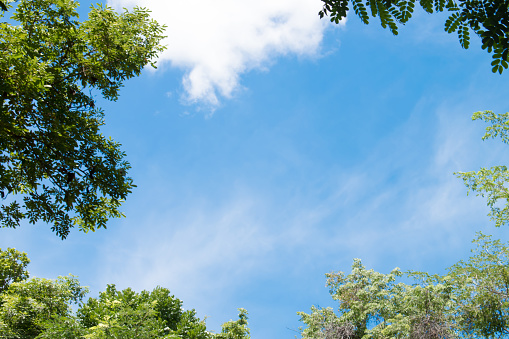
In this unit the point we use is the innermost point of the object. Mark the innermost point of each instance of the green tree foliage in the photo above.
(374, 305)
(489, 19)
(470, 301)
(41, 308)
(481, 290)
(491, 183)
(127, 314)
(27, 306)
(235, 329)
(12, 267)
(55, 165)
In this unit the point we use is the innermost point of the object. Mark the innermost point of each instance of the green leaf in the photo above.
(487, 19)
(57, 134)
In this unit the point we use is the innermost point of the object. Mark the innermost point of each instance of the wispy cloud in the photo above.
(360, 212)
(185, 248)
(215, 42)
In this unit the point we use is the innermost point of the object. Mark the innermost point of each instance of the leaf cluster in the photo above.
(235, 329)
(12, 267)
(489, 19)
(128, 314)
(374, 305)
(470, 301)
(52, 155)
(492, 183)
(41, 308)
(482, 289)
(390, 12)
(26, 306)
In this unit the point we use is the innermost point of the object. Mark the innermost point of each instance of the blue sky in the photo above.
(271, 147)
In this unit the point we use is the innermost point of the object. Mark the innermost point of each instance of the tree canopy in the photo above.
(27, 307)
(41, 308)
(470, 301)
(55, 165)
(489, 19)
(12, 267)
(491, 183)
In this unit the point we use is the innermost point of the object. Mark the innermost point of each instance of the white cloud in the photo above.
(361, 212)
(217, 41)
(218, 244)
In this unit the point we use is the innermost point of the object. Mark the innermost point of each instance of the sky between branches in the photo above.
(271, 147)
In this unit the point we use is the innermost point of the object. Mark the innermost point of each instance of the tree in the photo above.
(41, 308)
(470, 301)
(373, 305)
(489, 19)
(127, 314)
(12, 267)
(492, 182)
(52, 155)
(235, 329)
(481, 288)
(119, 314)
(26, 307)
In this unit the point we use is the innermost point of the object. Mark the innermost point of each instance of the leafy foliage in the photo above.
(492, 182)
(481, 288)
(235, 329)
(41, 308)
(128, 314)
(12, 267)
(489, 19)
(27, 306)
(52, 154)
(119, 315)
(470, 301)
(373, 305)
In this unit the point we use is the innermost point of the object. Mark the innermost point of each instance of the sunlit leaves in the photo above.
(470, 301)
(481, 288)
(492, 183)
(235, 329)
(55, 165)
(27, 306)
(375, 305)
(12, 267)
(41, 308)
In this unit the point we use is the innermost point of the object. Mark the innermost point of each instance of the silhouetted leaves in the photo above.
(489, 19)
